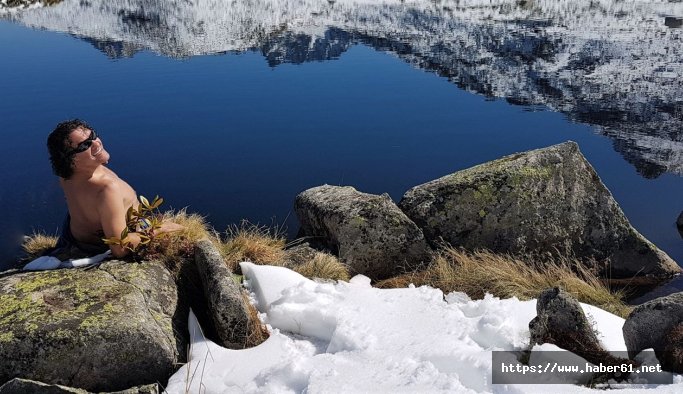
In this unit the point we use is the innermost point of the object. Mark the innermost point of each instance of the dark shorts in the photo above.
(68, 247)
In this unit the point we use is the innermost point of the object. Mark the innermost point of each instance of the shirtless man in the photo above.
(96, 197)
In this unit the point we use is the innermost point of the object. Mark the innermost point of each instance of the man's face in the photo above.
(95, 154)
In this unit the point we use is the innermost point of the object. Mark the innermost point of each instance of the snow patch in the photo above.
(350, 337)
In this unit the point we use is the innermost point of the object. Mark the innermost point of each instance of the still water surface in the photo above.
(231, 110)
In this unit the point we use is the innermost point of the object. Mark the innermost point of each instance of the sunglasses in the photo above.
(85, 145)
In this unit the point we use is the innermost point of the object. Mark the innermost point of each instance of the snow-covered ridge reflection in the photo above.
(615, 64)
(18, 5)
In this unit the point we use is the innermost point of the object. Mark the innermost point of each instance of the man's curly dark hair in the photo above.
(58, 145)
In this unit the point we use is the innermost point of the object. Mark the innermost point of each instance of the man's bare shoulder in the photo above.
(106, 181)
(113, 190)
(108, 191)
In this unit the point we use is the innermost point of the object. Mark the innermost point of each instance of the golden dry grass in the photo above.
(176, 248)
(324, 266)
(257, 331)
(251, 242)
(195, 225)
(36, 244)
(503, 276)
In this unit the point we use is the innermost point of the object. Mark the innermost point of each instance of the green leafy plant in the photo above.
(144, 220)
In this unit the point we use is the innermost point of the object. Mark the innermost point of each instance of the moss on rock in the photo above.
(122, 313)
(543, 202)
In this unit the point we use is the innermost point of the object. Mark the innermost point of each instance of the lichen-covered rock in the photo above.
(368, 232)
(648, 325)
(543, 201)
(560, 320)
(224, 297)
(102, 329)
(24, 386)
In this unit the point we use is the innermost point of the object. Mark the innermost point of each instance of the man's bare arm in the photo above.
(113, 217)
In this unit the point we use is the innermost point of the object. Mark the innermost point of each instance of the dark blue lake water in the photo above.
(233, 110)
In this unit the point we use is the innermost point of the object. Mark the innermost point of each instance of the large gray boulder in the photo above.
(649, 324)
(102, 329)
(542, 201)
(368, 232)
(224, 297)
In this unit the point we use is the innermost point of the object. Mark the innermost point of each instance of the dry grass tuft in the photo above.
(251, 242)
(177, 247)
(195, 225)
(418, 278)
(257, 332)
(503, 276)
(324, 266)
(36, 244)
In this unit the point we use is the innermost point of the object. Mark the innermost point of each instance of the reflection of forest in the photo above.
(613, 64)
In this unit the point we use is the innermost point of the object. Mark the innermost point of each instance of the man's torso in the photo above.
(83, 200)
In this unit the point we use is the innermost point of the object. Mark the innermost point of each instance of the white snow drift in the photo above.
(350, 337)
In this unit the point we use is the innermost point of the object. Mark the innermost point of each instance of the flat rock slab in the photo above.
(24, 386)
(102, 329)
(368, 232)
(544, 201)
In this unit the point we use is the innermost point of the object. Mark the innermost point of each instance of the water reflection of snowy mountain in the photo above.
(615, 64)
